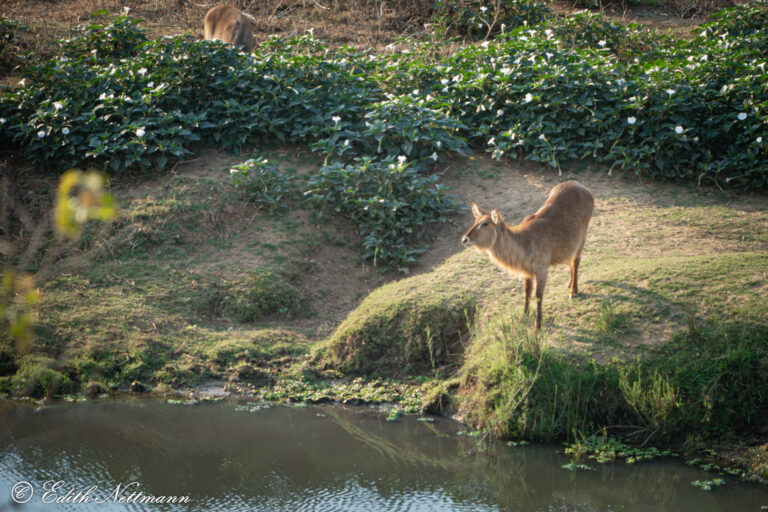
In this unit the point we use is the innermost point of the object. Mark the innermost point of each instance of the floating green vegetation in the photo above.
(253, 406)
(604, 449)
(714, 468)
(406, 394)
(573, 466)
(708, 485)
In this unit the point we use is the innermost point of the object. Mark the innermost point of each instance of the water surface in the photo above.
(224, 458)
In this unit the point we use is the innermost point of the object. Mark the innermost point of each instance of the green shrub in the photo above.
(580, 87)
(476, 19)
(95, 43)
(8, 31)
(389, 201)
(260, 182)
(401, 125)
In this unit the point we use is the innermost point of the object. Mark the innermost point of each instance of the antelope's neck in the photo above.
(508, 250)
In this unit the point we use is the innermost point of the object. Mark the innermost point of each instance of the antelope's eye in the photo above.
(484, 224)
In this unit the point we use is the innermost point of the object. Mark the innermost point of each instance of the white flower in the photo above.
(523, 38)
(233, 171)
(695, 139)
(140, 132)
(65, 130)
(631, 120)
(670, 91)
(41, 133)
(415, 92)
(439, 144)
(346, 143)
(2, 120)
(528, 98)
(58, 105)
(311, 31)
(444, 81)
(742, 116)
(22, 82)
(542, 137)
(402, 159)
(103, 96)
(602, 43)
(483, 9)
(703, 33)
(143, 71)
(506, 71)
(549, 33)
(492, 141)
(679, 129)
(759, 140)
(151, 84)
(335, 119)
(434, 156)
(485, 44)
(126, 10)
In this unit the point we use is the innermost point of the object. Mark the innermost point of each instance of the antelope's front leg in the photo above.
(528, 290)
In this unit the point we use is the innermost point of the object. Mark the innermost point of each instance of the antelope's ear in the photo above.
(496, 217)
(476, 210)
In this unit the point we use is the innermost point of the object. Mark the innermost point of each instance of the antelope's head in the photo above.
(485, 230)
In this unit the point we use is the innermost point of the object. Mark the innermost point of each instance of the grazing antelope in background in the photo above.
(226, 23)
(553, 235)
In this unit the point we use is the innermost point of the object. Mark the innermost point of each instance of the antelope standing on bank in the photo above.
(553, 235)
(226, 23)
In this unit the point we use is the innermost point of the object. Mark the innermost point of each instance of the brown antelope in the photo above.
(226, 23)
(553, 235)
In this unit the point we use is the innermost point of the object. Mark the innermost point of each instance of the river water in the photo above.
(224, 456)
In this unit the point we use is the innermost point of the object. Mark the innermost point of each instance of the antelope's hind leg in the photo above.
(541, 282)
(574, 282)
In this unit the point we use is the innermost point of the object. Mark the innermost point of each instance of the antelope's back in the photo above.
(226, 24)
(565, 217)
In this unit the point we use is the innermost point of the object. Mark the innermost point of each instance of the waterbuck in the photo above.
(226, 23)
(553, 235)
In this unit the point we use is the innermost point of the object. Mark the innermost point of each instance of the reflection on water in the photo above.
(315, 458)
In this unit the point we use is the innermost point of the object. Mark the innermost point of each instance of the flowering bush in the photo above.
(118, 40)
(260, 181)
(476, 19)
(399, 125)
(562, 90)
(389, 201)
